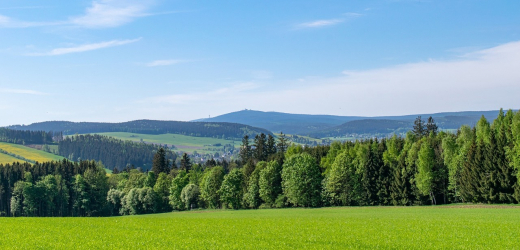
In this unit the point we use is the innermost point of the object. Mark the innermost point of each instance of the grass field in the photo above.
(445, 227)
(29, 153)
(182, 142)
(7, 159)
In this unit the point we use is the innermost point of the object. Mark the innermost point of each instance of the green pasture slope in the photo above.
(442, 227)
(182, 142)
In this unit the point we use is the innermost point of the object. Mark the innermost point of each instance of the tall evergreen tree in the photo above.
(418, 127)
(431, 126)
(159, 163)
(186, 162)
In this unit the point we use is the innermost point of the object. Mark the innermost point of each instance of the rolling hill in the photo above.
(21, 153)
(199, 129)
(314, 124)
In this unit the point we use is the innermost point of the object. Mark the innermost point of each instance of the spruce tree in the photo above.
(159, 163)
(186, 163)
(431, 127)
(418, 127)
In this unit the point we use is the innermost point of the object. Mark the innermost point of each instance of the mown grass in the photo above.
(29, 153)
(327, 228)
(7, 159)
(182, 142)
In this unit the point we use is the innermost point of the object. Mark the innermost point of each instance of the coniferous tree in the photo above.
(245, 150)
(159, 164)
(418, 127)
(185, 163)
(431, 126)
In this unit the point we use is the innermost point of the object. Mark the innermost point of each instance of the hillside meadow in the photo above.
(7, 159)
(28, 153)
(183, 143)
(440, 227)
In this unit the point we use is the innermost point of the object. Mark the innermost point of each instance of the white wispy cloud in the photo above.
(85, 47)
(112, 13)
(21, 91)
(7, 22)
(100, 14)
(483, 80)
(163, 63)
(320, 23)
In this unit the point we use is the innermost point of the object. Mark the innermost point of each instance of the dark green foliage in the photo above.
(25, 137)
(201, 129)
(112, 152)
(418, 127)
(160, 163)
(185, 163)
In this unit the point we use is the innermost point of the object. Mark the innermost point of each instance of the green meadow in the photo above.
(441, 227)
(182, 142)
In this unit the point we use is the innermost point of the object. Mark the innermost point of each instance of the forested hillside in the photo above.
(319, 125)
(28, 136)
(378, 128)
(426, 167)
(114, 153)
(202, 129)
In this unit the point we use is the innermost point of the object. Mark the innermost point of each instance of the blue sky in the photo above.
(117, 60)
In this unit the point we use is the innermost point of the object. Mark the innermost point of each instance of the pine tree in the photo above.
(159, 163)
(431, 127)
(186, 163)
(418, 127)
(245, 150)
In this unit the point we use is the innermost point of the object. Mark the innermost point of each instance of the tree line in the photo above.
(426, 167)
(114, 153)
(28, 137)
(221, 130)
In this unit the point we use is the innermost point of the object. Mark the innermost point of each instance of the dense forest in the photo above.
(426, 167)
(113, 153)
(28, 136)
(201, 129)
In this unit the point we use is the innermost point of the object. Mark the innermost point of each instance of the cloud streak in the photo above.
(483, 80)
(21, 91)
(319, 23)
(86, 47)
(158, 63)
(101, 14)
(112, 13)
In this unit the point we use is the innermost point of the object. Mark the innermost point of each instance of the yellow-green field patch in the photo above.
(7, 159)
(29, 153)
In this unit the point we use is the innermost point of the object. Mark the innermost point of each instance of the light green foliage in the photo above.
(190, 196)
(178, 183)
(252, 195)
(455, 152)
(162, 190)
(230, 191)
(150, 179)
(336, 148)
(136, 179)
(483, 130)
(210, 185)
(270, 182)
(301, 180)
(293, 150)
(339, 228)
(425, 164)
(138, 201)
(341, 181)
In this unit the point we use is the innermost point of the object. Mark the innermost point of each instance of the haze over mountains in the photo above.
(330, 125)
(251, 122)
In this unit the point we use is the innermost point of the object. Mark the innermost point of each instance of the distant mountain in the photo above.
(311, 124)
(201, 129)
(365, 127)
